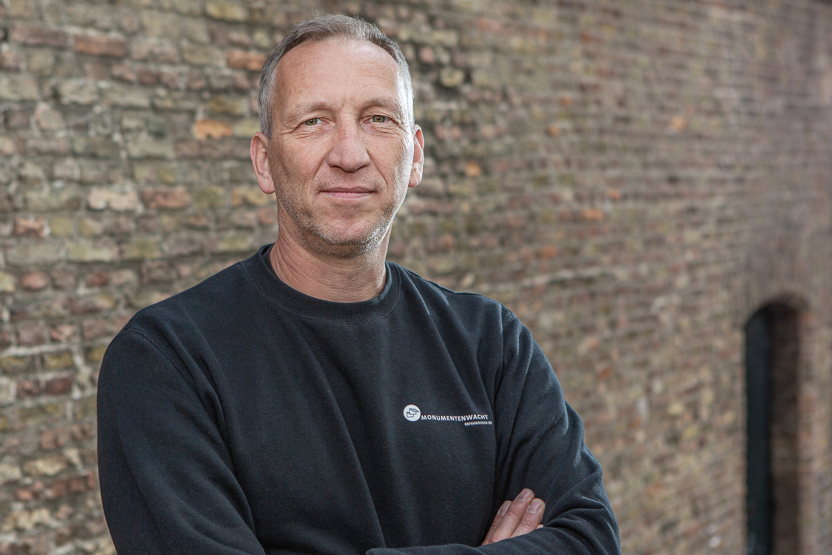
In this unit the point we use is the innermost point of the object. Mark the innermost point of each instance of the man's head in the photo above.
(339, 147)
(321, 28)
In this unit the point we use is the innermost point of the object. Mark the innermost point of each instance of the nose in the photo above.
(347, 150)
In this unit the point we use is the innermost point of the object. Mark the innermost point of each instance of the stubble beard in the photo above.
(319, 239)
(315, 236)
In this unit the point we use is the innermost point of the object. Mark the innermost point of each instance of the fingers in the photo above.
(517, 517)
(497, 518)
(531, 519)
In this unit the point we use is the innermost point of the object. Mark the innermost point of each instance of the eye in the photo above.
(379, 119)
(313, 121)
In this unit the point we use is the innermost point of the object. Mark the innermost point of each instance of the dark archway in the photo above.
(772, 365)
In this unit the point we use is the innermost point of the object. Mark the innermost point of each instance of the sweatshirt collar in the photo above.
(266, 281)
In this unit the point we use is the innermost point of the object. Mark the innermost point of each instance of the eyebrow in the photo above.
(378, 102)
(387, 105)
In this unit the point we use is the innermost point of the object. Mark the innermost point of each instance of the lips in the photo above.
(348, 192)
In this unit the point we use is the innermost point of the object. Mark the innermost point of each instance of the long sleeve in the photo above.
(167, 482)
(540, 446)
(241, 417)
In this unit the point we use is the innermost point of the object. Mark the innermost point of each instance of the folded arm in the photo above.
(541, 447)
(168, 480)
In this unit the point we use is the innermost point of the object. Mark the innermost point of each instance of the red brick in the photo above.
(100, 45)
(211, 129)
(123, 73)
(53, 439)
(427, 55)
(63, 333)
(98, 279)
(73, 484)
(25, 227)
(34, 281)
(240, 59)
(29, 388)
(169, 198)
(592, 214)
(91, 305)
(35, 35)
(29, 493)
(59, 386)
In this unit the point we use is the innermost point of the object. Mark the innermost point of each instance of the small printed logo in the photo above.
(412, 413)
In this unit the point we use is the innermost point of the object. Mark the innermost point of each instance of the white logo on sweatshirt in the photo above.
(414, 414)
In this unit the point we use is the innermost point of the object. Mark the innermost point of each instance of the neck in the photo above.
(345, 280)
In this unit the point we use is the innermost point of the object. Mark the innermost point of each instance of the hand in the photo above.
(516, 518)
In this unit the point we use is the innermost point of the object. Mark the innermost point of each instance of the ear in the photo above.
(418, 157)
(260, 160)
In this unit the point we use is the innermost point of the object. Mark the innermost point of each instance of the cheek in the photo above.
(405, 161)
(293, 165)
(397, 154)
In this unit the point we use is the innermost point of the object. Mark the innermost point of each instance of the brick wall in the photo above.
(634, 178)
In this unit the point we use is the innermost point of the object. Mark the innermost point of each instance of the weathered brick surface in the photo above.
(100, 45)
(252, 61)
(633, 178)
(35, 35)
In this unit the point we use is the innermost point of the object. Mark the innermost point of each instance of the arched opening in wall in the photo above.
(771, 363)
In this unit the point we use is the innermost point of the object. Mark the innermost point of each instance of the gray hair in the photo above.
(319, 29)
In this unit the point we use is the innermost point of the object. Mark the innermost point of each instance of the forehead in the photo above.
(337, 68)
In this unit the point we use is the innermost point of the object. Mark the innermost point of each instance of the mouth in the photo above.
(348, 193)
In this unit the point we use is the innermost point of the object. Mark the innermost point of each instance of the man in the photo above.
(316, 399)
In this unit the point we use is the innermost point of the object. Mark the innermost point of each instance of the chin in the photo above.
(348, 246)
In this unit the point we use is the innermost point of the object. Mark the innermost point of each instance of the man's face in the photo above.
(343, 151)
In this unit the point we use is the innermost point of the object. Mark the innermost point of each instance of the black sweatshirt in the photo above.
(242, 416)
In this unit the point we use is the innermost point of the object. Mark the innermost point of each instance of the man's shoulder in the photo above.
(439, 297)
(216, 297)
